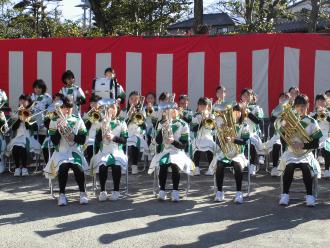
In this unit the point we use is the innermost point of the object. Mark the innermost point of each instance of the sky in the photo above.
(74, 13)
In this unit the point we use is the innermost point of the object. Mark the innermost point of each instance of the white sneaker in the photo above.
(284, 199)
(103, 196)
(18, 172)
(310, 201)
(197, 171)
(262, 160)
(326, 174)
(275, 172)
(252, 169)
(219, 196)
(25, 172)
(209, 172)
(175, 196)
(62, 201)
(238, 197)
(162, 195)
(83, 198)
(115, 195)
(135, 169)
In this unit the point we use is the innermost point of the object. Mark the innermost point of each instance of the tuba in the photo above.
(226, 128)
(94, 115)
(289, 127)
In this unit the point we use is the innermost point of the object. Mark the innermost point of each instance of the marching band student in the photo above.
(172, 136)
(116, 90)
(322, 116)
(47, 146)
(186, 114)
(251, 115)
(220, 94)
(92, 123)
(307, 163)
(237, 160)
(41, 102)
(293, 93)
(67, 132)
(151, 110)
(3, 126)
(110, 140)
(274, 144)
(73, 91)
(23, 142)
(136, 131)
(203, 139)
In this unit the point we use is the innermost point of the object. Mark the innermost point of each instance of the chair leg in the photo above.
(187, 186)
(51, 188)
(155, 183)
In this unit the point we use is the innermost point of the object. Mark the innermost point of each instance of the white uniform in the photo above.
(64, 152)
(111, 153)
(75, 93)
(171, 154)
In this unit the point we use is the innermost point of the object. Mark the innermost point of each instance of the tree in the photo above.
(314, 14)
(136, 17)
(198, 16)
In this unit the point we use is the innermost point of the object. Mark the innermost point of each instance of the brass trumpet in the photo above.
(94, 115)
(137, 117)
(321, 114)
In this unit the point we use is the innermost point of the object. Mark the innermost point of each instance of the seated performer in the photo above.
(23, 142)
(151, 110)
(92, 122)
(67, 133)
(136, 142)
(322, 115)
(110, 140)
(299, 153)
(172, 136)
(73, 91)
(232, 144)
(220, 94)
(203, 141)
(3, 128)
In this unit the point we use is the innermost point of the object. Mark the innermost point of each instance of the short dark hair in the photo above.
(133, 93)
(183, 97)
(59, 95)
(301, 100)
(246, 90)
(40, 84)
(320, 97)
(293, 88)
(94, 98)
(67, 75)
(152, 94)
(203, 101)
(67, 102)
(327, 92)
(220, 87)
(109, 69)
(26, 97)
(163, 96)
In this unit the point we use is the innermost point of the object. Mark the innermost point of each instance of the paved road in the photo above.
(30, 218)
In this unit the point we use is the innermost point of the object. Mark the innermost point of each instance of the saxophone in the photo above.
(227, 128)
(290, 129)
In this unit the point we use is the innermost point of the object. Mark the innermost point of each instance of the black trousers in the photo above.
(133, 155)
(326, 156)
(197, 157)
(20, 156)
(253, 155)
(89, 152)
(276, 152)
(116, 175)
(220, 173)
(163, 176)
(63, 176)
(288, 177)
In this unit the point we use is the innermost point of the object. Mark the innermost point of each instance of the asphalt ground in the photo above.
(30, 217)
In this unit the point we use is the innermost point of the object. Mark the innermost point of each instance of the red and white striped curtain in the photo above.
(268, 63)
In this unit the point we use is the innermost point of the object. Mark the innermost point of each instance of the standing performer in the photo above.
(322, 115)
(203, 125)
(110, 140)
(73, 91)
(302, 134)
(172, 136)
(232, 135)
(92, 122)
(135, 118)
(23, 142)
(3, 128)
(67, 133)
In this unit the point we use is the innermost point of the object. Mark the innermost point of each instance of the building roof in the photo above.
(217, 19)
(299, 26)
